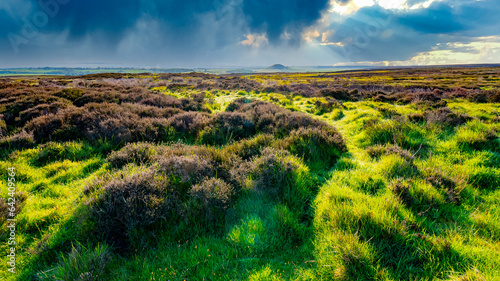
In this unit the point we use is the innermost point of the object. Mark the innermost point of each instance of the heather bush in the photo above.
(162, 101)
(269, 118)
(289, 121)
(446, 117)
(40, 110)
(97, 97)
(13, 108)
(185, 171)
(96, 122)
(196, 103)
(382, 97)
(494, 96)
(151, 111)
(340, 94)
(402, 192)
(274, 175)
(209, 201)
(249, 148)
(136, 201)
(416, 117)
(70, 94)
(189, 124)
(226, 127)
(237, 104)
(377, 151)
(321, 146)
(20, 140)
(450, 187)
(423, 98)
(478, 97)
(3, 127)
(280, 176)
(138, 153)
(387, 112)
(44, 127)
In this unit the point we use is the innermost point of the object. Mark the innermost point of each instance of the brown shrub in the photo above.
(70, 94)
(138, 153)
(459, 93)
(14, 106)
(20, 140)
(227, 126)
(44, 127)
(98, 121)
(3, 127)
(322, 145)
(382, 97)
(446, 117)
(449, 186)
(151, 111)
(387, 112)
(184, 171)
(402, 192)
(416, 117)
(494, 96)
(378, 150)
(210, 200)
(98, 97)
(160, 100)
(328, 106)
(5, 208)
(40, 110)
(126, 204)
(189, 122)
(247, 149)
(193, 104)
(237, 104)
(478, 97)
(273, 174)
(289, 121)
(340, 94)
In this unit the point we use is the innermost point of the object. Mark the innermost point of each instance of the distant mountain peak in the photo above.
(278, 67)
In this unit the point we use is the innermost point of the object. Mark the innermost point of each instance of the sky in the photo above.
(247, 33)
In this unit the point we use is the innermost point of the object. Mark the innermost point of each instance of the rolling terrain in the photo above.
(388, 174)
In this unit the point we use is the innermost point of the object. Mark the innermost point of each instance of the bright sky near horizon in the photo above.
(238, 33)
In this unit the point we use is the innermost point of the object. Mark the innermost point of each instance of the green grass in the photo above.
(368, 218)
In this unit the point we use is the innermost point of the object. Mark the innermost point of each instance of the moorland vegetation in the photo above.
(363, 175)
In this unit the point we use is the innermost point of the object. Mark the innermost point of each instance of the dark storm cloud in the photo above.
(7, 24)
(453, 17)
(80, 18)
(113, 18)
(207, 31)
(277, 16)
(438, 18)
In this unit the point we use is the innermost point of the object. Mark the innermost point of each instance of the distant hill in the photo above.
(278, 67)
